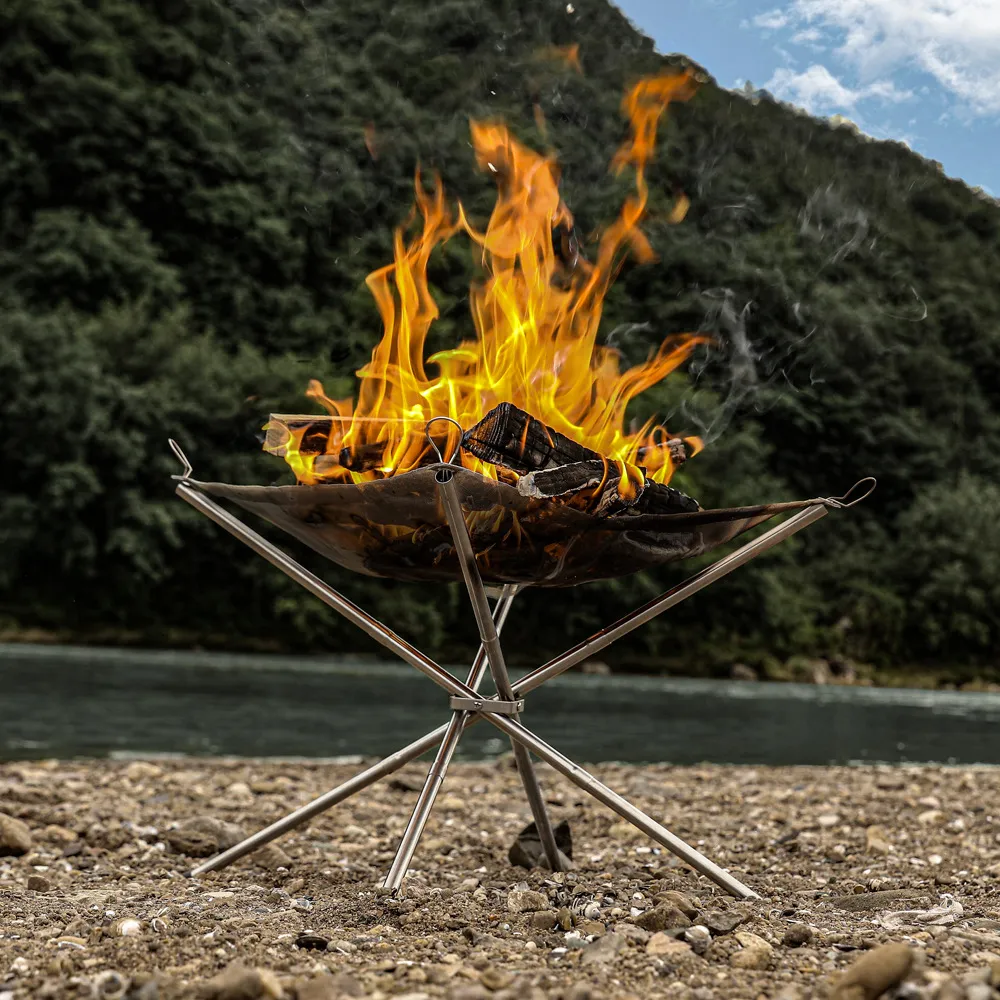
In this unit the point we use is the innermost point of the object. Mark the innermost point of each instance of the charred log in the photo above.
(659, 499)
(591, 486)
(510, 437)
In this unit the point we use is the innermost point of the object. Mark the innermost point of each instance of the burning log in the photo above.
(592, 486)
(509, 437)
(315, 434)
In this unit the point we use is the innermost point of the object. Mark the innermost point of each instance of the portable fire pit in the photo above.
(548, 481)
(443, 522)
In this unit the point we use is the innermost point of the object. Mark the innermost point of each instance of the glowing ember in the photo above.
(536, 317)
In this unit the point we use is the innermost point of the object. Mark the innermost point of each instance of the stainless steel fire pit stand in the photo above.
(490, 654)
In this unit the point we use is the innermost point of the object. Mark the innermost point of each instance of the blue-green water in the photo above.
(71, 701)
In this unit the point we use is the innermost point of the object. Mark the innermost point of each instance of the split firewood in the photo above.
(675, 446)
(659, 499)
(316, 434)
(510, 437)
(591, 486)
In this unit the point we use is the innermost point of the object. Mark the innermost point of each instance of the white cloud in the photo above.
(955, 41)
(818, 91)
(772, 20)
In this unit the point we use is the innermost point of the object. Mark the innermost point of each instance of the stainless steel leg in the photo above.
(439, 768)
(328, 801)
(498, 665)
(624, 808)
(685, 589)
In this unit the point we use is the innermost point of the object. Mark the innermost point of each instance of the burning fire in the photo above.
(536, 317)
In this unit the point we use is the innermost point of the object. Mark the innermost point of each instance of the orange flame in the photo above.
(536, 316)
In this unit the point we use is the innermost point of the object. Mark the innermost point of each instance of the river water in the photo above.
(74, 701)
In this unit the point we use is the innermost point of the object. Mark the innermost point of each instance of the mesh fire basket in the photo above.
(444, 522)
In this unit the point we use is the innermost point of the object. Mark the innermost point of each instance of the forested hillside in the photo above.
(192, 192)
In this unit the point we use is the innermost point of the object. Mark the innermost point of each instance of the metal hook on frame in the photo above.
(433, 443)
(842, 503)
(182, 458)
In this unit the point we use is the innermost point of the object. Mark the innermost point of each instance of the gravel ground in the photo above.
(95, 902)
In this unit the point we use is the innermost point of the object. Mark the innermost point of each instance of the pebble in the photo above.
(604, 949)
(238, 982)
(699, 938)
(662, 917)
(678, 899)
(495, 979)
(755, 952)
(722, 921)
(663, 945)
(15, 837)
(797, 935)
(526, 901)
(827, 820)
(543, 920)
(38, 883)
(877, 841)
(204, 836)
(271, 857)
(874, 973)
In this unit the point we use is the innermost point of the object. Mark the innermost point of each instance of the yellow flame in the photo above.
(536, 317)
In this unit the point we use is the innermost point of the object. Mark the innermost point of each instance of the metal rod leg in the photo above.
(353, 785)
(439, 768)
(622, 806)
(498, 665)
(685, 589)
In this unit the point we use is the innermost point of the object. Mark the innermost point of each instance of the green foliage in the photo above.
(189, 207)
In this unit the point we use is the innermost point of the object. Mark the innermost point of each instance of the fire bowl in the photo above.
(396, 528)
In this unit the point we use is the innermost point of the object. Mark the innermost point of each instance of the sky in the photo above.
(926, 72)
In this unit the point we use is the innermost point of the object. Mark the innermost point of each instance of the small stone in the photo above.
(142, 770)
(874, 973)
(472, 991)
(311, 942)
(797, 935)
(604, 949)
(722, 921)
(451, 803)
(241, 792)
(678, 899)
(204, 836)
(790, 991)
(526, 901)
(15, 837)
(755, 952)
(664, 945)
(495, 979)
(631, 933)
(238, 982)
(877, 841)
(881, 900)
(826, 820)
(271, 857)
(39, 883)
(699, 938)
(346, 986)
(543, 920)
(979, 991)
(54, 834)
(321, 987)
(126, 927)
(591, 928)
(932, 817)
(662, 917)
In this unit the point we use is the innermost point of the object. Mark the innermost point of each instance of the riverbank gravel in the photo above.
(872, 879)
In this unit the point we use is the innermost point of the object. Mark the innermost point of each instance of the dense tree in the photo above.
(191, 193)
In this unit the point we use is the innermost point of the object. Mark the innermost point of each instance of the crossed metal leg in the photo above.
(470, 707)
